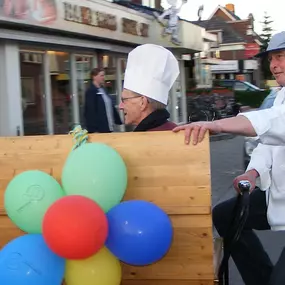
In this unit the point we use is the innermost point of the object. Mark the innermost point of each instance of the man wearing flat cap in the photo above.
(266, 170)
(150, 73)
(268, 124)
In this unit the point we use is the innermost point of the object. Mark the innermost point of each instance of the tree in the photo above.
(266, 36)
(266, 29)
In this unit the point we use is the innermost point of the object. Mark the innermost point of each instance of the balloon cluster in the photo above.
(80, 230)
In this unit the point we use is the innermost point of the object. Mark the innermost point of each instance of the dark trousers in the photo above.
(248, 253)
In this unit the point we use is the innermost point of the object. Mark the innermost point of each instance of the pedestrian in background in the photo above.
(99, 112)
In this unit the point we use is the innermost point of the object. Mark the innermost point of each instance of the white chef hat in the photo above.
(151, 71)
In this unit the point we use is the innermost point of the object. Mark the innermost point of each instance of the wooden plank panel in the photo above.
(189, 270)
(190, 254)
(139, 175)
(8, 231)
(164, 282)
(172, 179)
(55, 149)
(171, 210)
(161, 169)
(167, 282)
(179, 195)
(63, 143)
(133, 157)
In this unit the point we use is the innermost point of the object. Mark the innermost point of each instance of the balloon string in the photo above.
(79, 136)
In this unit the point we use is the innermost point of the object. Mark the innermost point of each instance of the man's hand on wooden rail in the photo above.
(250, 176)
(196, 131)
(239, 125)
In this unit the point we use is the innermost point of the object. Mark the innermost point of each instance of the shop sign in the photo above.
(226, 65)
(134, 28)
(82, 17)
(87, 16)
(251, 49)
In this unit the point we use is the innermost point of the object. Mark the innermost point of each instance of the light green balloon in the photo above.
(27, 198)
(96, 171)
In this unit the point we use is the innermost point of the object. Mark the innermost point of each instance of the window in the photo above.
(32, 87)
(84, 65)
(60, 78)
(239, 86)
(217, 54)
(227, 83)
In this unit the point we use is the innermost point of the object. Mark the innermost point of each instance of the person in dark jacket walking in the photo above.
(150, 73)
(99, 112)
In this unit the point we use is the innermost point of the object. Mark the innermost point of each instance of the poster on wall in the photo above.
(34, 11)
(83, 17)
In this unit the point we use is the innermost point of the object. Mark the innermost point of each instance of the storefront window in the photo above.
(202, 73)
(114, 81)
(122, 69)
(53, 89)
(83, 69)
(33, 98)
(108, 62)
(60, 91)
(179, 102)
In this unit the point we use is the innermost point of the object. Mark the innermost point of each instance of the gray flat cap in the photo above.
(276, 43)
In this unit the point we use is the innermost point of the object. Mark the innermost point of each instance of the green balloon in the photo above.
(27, 198)
(96, 171)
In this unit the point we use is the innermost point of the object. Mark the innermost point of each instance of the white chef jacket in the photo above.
(269, 124)
(269, 162)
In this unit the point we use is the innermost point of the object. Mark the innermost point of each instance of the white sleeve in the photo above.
(269, 124)
(261, 161)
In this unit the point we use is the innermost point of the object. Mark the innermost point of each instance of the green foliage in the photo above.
(266, 36)
(266, 29)
(251, 98)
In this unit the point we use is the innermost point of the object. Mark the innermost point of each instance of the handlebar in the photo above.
(244, 186)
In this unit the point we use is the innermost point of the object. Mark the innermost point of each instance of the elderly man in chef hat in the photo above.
(150, 73)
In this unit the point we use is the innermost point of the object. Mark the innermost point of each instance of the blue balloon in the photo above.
(140, 233)
(27, 260)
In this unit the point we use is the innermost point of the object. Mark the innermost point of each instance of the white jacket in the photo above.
(269, 124)
(269, 162)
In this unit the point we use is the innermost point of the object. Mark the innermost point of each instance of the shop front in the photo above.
(48, 48)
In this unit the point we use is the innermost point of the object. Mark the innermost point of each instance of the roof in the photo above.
(232, 14)
(241, 28)
(216, 23)
(234, 30)
(228, 13)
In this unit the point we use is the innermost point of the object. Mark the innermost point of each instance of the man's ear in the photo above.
(144, 103)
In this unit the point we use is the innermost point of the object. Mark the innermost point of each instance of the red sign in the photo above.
(251, 50)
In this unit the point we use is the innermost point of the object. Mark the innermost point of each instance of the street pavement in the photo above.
(226, 164)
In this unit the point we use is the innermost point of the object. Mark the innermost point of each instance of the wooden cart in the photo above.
(161, 169)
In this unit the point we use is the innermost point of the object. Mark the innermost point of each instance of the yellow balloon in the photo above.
(103, 268)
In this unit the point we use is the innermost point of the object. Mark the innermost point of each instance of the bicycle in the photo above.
(239, 218)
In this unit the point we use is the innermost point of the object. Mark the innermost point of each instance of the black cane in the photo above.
(239, 217)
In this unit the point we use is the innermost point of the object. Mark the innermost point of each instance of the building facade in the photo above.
(48, 47)
(237, 45)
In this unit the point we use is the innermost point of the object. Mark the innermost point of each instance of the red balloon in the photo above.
(75, 227)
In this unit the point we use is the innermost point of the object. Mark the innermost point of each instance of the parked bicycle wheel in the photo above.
(198, 116)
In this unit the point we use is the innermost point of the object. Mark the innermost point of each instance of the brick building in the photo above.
(237, 45)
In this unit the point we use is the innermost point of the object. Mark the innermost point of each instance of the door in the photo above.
(33, 97)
